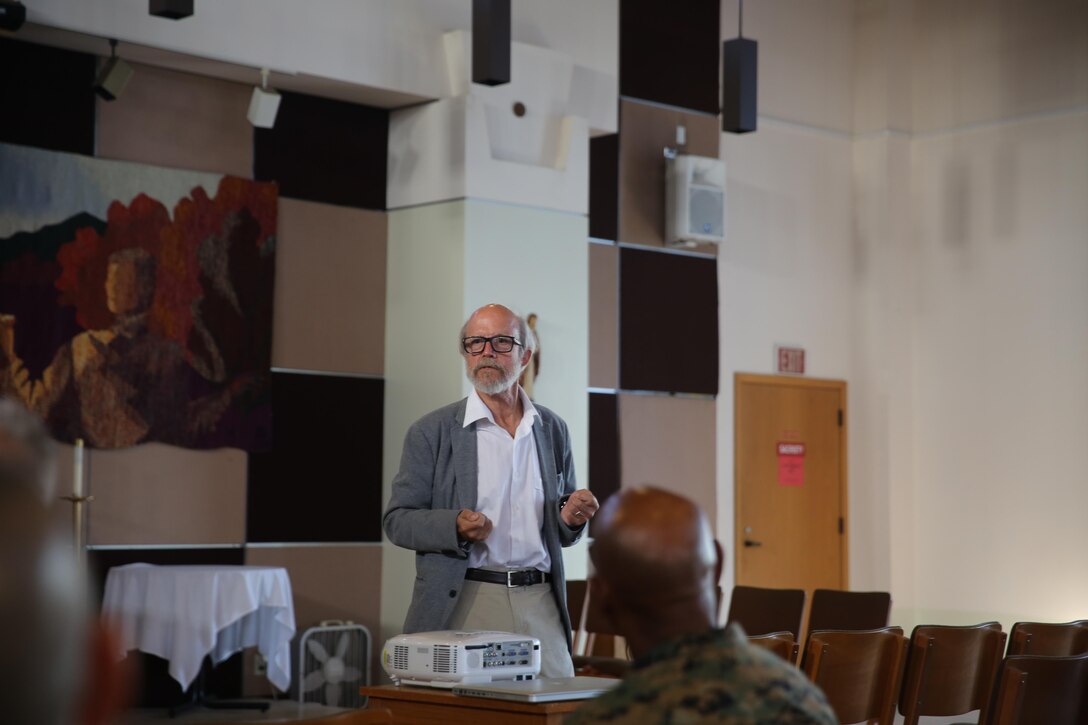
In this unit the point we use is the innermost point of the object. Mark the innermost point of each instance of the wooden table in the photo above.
(428, 705)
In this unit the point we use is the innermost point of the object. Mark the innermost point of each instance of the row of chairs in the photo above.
(867, 669)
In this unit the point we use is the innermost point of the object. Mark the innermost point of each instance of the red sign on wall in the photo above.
(791, 463)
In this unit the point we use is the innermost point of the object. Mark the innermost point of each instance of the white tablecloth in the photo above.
(182, 613)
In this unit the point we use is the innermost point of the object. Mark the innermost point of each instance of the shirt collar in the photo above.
(476, 409)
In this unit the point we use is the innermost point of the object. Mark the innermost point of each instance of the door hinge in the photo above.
(840, 418)
(841, 527)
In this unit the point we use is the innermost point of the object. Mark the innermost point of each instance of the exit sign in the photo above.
(790, 359)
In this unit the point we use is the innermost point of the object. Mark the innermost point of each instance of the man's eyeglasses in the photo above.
(499, 343)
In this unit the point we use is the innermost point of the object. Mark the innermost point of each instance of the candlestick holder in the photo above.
(77, 522)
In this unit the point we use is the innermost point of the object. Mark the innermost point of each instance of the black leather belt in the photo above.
(515, 578)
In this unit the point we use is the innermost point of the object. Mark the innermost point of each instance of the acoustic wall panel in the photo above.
(604, 163)
(180, 120)
(160, 494)
(604, 446)
(322, 479)
(668, 322)
(670, 442)
(669, 52)
(330, 288)
(47, 95)
(325, 150)
(328, 583)
(645, 131)
(604, 266)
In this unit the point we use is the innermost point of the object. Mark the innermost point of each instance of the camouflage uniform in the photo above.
(711, 677)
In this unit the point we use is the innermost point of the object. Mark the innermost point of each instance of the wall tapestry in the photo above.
(136, 301)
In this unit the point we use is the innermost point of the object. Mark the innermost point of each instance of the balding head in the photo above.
(656, 564)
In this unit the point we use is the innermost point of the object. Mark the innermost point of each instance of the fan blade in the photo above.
(332, 694)
(342, 645)
(350, 674)
(313, 680)
(317, 650)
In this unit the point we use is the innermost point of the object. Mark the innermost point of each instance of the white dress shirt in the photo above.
(509, 490)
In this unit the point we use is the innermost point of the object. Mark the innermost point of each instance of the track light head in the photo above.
(264, 104)
(114, 75)
(172, 9)
(12, 15)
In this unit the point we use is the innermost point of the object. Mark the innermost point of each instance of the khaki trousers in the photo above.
(525, 610)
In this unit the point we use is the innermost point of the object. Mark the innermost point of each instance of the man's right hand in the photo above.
(473, 526)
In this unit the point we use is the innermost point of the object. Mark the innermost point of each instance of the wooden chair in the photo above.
(1039, 689)
(597, 645)
(1066, 639)
(782, 644)
(859, 671)
(951, 670)
(761, 610)
(836, 609)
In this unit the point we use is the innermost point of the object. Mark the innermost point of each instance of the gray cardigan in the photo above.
(437, 479)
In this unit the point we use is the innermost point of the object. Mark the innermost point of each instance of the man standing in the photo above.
(485, 497)
(656, 566)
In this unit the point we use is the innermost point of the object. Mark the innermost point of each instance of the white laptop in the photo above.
(544, 689)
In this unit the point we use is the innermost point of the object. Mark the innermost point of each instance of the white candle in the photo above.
(77, 470)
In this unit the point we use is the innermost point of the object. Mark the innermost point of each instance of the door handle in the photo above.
(748, 543)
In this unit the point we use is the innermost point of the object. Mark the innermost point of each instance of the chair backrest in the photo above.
(836, 609)
(761, 611)
(1040, 689)
(782, 644)
(951, 670)
(1065, 639)
(859, 671)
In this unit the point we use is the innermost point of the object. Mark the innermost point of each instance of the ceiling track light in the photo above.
(12, 15)
(263, 104)
(172, 9)
(114, 75)
(739, 62)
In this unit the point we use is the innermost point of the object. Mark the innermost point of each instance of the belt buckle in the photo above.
(510, 579)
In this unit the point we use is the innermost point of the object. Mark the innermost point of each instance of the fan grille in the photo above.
(444, 659)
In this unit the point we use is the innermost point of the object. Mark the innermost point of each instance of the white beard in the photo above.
(497, 385)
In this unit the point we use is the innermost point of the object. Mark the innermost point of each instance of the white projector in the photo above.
(449, 658)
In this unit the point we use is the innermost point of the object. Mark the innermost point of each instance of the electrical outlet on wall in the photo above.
(260, 665)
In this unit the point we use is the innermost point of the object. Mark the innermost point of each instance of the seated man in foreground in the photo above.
(656, 567)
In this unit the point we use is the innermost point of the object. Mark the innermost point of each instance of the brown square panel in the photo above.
(645, 131)
(159, 494)
(330, 288)
(668, 322)
(604, 265)
(604, 186)
(328, 583)
(604, 446)
(179, 120)
(669, 52)
(669, 442)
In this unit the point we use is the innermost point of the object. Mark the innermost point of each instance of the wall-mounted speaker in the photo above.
(694, 201)
(112, 78)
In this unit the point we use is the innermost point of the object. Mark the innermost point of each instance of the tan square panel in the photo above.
(328, 582)
(645, 131)
(603, 316)
(159, 494)
(330, 288)
(180, 120)
(669, 442)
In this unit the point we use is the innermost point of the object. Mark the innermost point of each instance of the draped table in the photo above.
(184, 613)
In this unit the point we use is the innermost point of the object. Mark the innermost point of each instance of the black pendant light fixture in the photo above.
(739, 58)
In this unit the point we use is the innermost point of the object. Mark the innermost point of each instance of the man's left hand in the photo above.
(580, 508)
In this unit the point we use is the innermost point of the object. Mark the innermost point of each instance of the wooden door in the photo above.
(790, 482)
